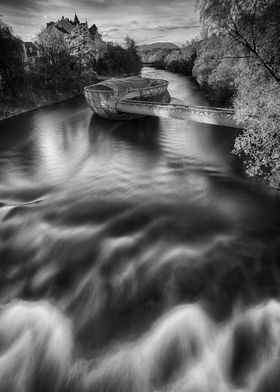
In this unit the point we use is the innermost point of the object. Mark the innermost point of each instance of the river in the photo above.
(135, 256)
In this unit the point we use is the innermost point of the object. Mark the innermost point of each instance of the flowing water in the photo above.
(135, 256)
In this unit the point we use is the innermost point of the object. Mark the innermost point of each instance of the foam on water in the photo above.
(36, 347)
(184, 351)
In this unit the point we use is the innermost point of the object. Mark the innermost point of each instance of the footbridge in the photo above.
(179, 110)
(135, 97)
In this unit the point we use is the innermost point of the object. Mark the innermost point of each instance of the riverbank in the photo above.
(216, 80)
(217, 97)
(15, 110)
(10, 108)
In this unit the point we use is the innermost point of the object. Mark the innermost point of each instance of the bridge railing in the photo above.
(205, 110)
(217, 116)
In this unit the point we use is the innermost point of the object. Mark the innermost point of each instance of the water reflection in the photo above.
(142, 133)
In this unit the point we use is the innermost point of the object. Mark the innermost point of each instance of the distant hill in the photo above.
(158, 45)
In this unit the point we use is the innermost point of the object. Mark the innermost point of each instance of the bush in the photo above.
(11, 60)
(119, 61)
(214, 72)
(257, 105)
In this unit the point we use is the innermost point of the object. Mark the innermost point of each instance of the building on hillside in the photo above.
(87, 38)
(74, 29)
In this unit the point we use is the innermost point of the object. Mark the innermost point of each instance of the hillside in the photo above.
(157, 45)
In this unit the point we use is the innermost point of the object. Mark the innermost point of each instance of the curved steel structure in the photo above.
(104, 97)
(130, 98)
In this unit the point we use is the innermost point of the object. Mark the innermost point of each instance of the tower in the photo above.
(76, 20)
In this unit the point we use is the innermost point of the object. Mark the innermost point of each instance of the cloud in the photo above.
(170, 28)
(23, 4)
(112, 30)
(141, 19)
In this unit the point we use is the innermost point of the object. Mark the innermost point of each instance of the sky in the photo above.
(146, 21)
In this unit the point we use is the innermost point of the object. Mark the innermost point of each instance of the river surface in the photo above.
(135, 256)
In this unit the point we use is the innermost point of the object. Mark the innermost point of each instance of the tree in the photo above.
(83, 48)
(257, 105)
(56, 65)
(214, 71)
(11, 60)
(117, 60)
(53, 45)
(133, 60)
(129, 43)
(253, 24)
(181, 60)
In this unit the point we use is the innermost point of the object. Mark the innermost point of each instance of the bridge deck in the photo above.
(176, 109)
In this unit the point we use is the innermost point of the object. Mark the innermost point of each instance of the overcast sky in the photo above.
(146, 21)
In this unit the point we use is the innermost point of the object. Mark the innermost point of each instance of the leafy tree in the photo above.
(117, 60)
(215, 72)
(209, 57)
(155, 56)
(181, 60)
(56, 64)
(253, 24)
(254, 27)
(257, 105)
(11, 60)
(129, 43)
(133, 60)
(174, 60)
(53, 45)
(83, 49)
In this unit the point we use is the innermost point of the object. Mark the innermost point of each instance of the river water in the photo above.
(135, 256)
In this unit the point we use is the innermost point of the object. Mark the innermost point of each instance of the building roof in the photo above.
(76, 20)
(93, 29)
(64, 25)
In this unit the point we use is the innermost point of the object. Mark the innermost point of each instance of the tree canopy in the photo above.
(64, 65)
(250, 31)
(11, 58)
(253, 24)
(117, 60)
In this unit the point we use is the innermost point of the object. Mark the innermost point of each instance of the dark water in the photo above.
(135, 256)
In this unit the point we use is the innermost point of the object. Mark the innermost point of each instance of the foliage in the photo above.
(254, 25)
(53, 45)
(174, 60)
(65, 65)
(117, 60)
(215, 72)
(155, 56)
(133, 60)
(251, 34)
(181, 61)
(205, 60)
(82, 48)
(257, 105)
(56, 65)
(11, 60)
